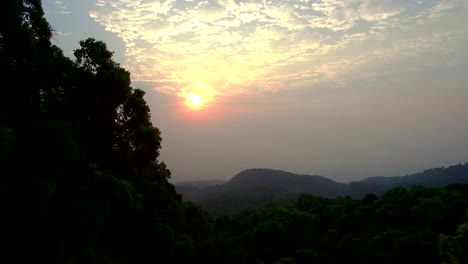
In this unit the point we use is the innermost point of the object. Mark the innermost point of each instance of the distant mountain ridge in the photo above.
(201, 183)
(435, 177)
(257, 187)
(283, 180)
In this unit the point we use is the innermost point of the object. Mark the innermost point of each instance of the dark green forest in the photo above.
(255, 188)
(81, 181)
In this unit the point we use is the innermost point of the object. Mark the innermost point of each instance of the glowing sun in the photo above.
(194, 101)
(197, 96)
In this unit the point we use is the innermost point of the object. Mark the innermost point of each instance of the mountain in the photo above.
(200, 183)
(436, 177)
(191, 189)
(255, 188)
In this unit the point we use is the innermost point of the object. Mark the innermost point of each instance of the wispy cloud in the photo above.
(59, 33)
(59, 8)
(247, 47)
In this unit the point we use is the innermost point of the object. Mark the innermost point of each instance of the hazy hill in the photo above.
(436, 177)
(200, 183)
(259, 187)
(191, 189)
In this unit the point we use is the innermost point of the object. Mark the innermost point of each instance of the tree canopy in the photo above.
(80, 176)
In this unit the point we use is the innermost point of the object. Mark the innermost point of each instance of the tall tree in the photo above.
(24, 45)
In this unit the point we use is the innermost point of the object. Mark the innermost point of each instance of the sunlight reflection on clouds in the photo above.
(232, 46)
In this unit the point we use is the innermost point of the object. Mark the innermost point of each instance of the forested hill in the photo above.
(436, 177)
(200, 183)
(283, 180)
(257, 187)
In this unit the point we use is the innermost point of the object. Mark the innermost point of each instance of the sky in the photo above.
(346, 89)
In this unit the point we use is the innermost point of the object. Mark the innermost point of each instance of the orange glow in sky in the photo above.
(194, 101)
(197, 95)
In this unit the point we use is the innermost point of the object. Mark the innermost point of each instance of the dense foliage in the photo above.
(81, 181)
(80, 178)
(402, 226)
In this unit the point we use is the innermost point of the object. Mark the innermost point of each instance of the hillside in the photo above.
(254, 188)
(200, 183)
(191, 189)
(436, 177)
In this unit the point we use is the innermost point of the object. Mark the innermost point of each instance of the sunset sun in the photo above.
(194, 101)
(197, 95)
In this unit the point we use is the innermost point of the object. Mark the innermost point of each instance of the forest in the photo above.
(81, 181)
(256, 188)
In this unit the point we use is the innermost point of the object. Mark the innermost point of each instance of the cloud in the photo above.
(235, 47)
(375, 10)
(59, 8)
(445, 6)
(59, 33)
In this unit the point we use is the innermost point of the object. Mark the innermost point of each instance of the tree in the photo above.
(455, 248)
(24, 45)
(116, 119)
(80, 175)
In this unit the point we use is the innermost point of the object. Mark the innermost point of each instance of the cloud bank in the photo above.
(238, 47)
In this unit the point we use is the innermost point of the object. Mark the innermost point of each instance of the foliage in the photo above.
(80, 178)
(397, 227)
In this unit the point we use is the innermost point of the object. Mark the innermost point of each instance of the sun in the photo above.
(194, 101)
(197, 96)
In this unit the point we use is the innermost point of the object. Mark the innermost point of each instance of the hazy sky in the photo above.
(341, 88)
